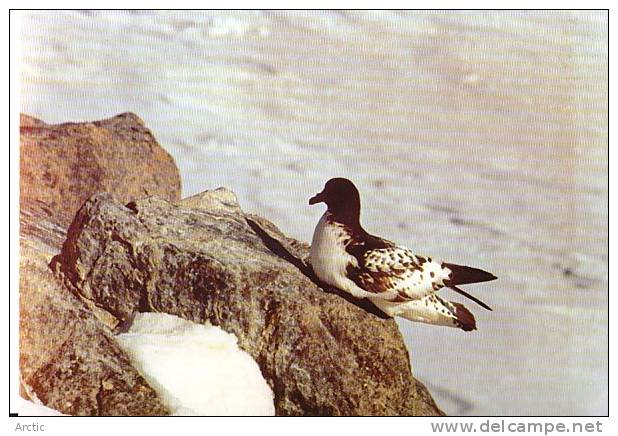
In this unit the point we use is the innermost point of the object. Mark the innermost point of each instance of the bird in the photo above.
(397, 281)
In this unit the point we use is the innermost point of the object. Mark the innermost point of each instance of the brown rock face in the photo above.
(205, 260)
(64, 164)
(68, 359)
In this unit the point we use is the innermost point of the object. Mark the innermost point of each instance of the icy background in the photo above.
(475, 137)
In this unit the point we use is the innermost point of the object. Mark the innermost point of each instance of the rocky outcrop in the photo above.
(64, 164)
(201, 258)
(205, 260)
(69, 360)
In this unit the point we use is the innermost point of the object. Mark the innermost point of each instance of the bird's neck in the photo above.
(349, 217)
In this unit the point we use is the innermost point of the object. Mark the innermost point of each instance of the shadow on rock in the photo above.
(279, 249)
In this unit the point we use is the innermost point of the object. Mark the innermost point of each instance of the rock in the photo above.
(203, 259)
(64, 164)
(68, 359)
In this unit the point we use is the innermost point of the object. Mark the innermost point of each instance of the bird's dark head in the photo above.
(341, 197)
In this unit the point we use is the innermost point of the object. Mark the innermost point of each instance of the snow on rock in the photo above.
(196, 369)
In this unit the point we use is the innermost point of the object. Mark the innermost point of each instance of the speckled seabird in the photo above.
(396, 280)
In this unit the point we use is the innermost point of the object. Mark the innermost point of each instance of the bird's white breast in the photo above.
(328, 256)
(330, 262)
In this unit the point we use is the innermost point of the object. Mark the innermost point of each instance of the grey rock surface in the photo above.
(203, 259)
(69, 360)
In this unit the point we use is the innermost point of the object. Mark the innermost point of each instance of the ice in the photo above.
(196, 369)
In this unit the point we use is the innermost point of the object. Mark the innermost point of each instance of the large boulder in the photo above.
(64, 164)
(203, 259)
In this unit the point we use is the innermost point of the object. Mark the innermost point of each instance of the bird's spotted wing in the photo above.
(398, 274)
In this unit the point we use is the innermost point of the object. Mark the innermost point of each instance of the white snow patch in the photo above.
(196, 369)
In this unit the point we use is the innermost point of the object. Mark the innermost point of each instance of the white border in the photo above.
(412, 426)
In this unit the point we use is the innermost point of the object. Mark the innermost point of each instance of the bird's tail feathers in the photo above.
(461, 275)
(471, 297)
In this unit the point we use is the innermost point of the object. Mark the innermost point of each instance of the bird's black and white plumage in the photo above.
(395, 279)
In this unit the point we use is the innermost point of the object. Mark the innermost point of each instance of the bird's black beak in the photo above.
(316, 199)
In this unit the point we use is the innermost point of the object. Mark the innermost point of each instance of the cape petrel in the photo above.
(397, 281)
